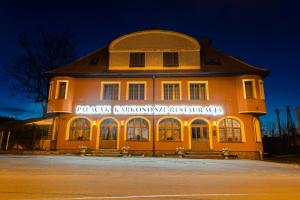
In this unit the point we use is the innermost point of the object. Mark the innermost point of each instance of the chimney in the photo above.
(207, 41)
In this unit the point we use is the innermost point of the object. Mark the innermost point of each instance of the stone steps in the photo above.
(105, 153)
(204, 155)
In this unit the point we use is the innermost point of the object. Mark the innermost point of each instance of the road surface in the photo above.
(95, 178)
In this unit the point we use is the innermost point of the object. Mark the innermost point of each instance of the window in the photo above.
(136, 91)
(111, 91)
(137, 129)
(198, 91)
(137, 60)
(230, 130)
(50, 90)
(62, 88)
(257, 130)
(169, 130)
(249, 89)
(79, 129)
(171, 91)
(261, 89)
(170, 59)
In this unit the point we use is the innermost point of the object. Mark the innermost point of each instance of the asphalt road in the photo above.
(94, 178)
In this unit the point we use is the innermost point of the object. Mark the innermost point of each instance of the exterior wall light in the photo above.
(185, 123)
(122, 123)
(94, 123)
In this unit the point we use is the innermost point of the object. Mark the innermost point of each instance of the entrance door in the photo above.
(108, 134)
(200, 136)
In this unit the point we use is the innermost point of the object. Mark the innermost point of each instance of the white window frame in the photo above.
(109, 83)
(57, 88)
(261, 89)
(198, 82)
(136, 82)
(162, 93)
(50, 92)
(253, 88)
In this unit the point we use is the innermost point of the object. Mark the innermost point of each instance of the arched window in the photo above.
(137, 129)
(230, 130)
(257, 130)
(169, 130)
(79, 129)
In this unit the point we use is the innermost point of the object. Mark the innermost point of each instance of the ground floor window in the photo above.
(79, 129)
(137, 129)
(169, 130)
(230, 130)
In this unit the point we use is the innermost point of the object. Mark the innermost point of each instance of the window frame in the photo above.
(163, 92)
(158, 129)
(136, 82)
(110, 83)
(136, 53)
(170, 65)
(148, 127)
(243, 136)
(261, 89)
(69, 126)
(198, 82)
(254, 94)
(57, 89)
(257, 130)
(50, 92)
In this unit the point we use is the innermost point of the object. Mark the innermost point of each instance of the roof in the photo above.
(213, 63)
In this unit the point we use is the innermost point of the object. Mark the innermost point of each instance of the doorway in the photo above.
(108, 134)
(199, 136)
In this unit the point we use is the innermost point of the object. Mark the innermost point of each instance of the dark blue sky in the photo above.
(264, 33)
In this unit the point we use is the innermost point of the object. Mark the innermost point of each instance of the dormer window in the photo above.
(170, 59)
(137, 60)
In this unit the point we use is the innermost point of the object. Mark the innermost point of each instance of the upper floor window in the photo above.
(136, 91)
(261, 89)
(50, 90)
(137, 60)
(61, 90)
(198, 91)
(249, 89)
(170, 59)
(110, 91)
(171, 91)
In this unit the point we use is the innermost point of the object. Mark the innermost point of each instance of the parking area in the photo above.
(92, 178)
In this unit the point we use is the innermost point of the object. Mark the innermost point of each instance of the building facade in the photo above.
(155, 91)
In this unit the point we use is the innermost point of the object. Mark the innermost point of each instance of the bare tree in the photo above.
(41, 52)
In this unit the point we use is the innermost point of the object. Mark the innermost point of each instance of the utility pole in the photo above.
(278, 121)
(290, 128)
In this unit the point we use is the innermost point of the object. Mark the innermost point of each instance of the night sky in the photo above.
(264, 33)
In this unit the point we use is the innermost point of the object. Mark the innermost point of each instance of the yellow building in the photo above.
(155, 91)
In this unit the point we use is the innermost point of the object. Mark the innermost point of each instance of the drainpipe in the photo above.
(153, 117)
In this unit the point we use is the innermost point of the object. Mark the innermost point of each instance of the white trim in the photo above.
(170, 82)
(261, 89)
(253, 88)
(108, 83)
(50, 92)
(199, 82)
(57, 88)
(136, 82)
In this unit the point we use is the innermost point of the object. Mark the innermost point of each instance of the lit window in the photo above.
(249, 89)
(137, 129)
(136, 91)
(169, 130)
(171, 91)
(230, 130)
(257, 130)
(79, 129)
(170, 59)
(261, 89)
(110, 91)
(137, 60)
(61, 92)
(198, 91)
(50, 90)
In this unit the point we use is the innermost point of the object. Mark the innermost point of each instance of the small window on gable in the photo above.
(249, 89)
(137, 60)
(170, 59)
(61, 92)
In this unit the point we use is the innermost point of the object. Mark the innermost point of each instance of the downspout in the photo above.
(153, 117)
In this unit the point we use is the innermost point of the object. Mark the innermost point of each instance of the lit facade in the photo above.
(155, 91)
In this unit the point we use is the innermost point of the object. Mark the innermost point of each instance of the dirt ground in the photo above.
(93, 178)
